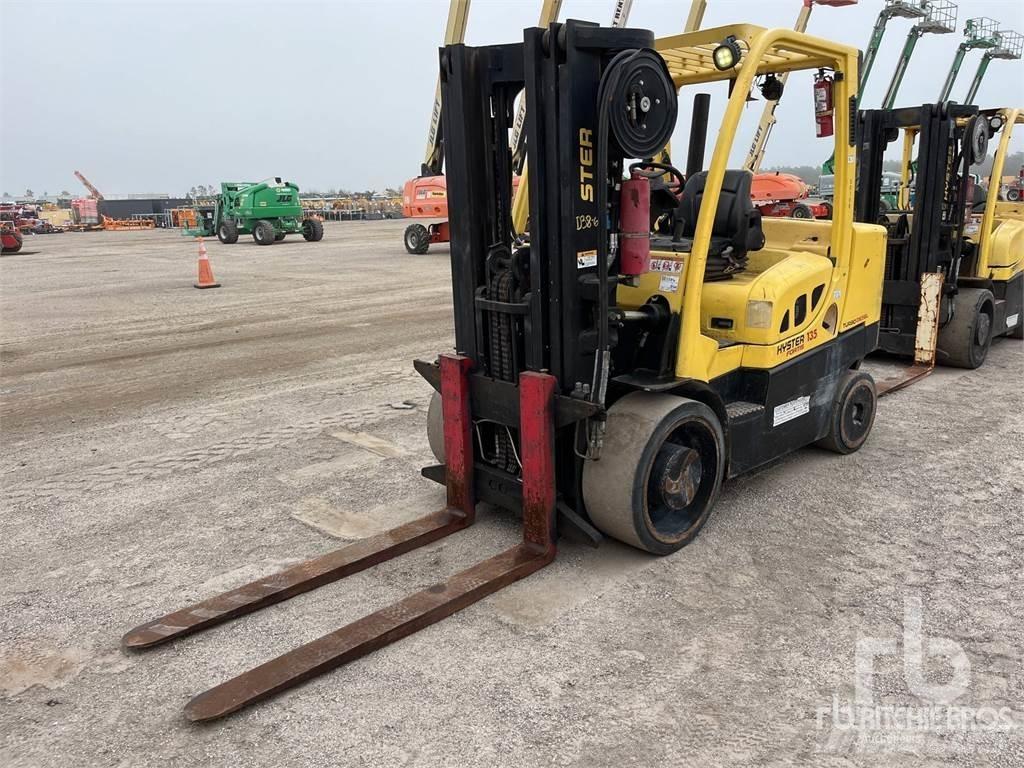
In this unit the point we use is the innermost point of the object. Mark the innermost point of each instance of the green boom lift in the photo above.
(906, 9)
(1009, 47)
(268, 211)
(940, 19)
(978, 33)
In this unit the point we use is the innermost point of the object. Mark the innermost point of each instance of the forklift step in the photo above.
(740, 409)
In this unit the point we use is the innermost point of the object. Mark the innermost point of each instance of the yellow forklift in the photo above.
(607, 380)
(995, 236)
(954, 278)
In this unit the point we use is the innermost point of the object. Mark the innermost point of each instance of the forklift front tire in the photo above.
(965, 340)
(417, 239)
(435, 427)
(313, 230)
(227, 232)
(853, 413)
(263, 232)
(660, 471)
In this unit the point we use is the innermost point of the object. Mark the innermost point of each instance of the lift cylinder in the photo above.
(635, 217)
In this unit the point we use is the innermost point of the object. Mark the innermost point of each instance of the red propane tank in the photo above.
(635, 217)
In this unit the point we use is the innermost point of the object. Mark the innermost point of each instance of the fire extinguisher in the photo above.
(823, 111)
(635, 225)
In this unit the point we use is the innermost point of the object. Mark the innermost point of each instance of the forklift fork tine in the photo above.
(369, 633)
(536, 391)
(303, 577)
(459, 514)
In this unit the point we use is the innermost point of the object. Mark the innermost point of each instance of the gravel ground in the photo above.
(161, 444)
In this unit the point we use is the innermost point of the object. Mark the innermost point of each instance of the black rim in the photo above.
(681, 480)
(857, 413)
(982, 330)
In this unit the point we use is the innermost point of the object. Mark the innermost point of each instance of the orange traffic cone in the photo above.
(205, 270)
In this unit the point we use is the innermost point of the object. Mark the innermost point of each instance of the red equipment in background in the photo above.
(784, 194)
(425, 197)
(10, 238)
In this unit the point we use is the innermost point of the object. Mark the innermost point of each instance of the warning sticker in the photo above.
(1012, 320)
(669, 284)
(586, 259)
(792, 409)
(666, 265)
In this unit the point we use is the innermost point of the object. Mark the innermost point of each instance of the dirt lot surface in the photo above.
(161, 444)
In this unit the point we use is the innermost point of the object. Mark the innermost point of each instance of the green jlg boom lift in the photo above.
(269, 211)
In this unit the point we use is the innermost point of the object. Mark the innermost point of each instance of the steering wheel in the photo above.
(659, 169)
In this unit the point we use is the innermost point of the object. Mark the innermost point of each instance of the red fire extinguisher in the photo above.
(823, 111)
(635, 225)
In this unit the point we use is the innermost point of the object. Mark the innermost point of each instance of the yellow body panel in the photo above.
(794, 263)
(799, 256)
(1000, 233)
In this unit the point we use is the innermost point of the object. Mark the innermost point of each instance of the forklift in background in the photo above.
(941, 303)
(606, 380)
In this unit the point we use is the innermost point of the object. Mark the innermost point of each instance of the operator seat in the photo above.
(736, 230)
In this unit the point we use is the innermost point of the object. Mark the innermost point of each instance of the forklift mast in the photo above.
(929, 237)
(530, 308)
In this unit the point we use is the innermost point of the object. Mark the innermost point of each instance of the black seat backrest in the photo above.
(736, 218)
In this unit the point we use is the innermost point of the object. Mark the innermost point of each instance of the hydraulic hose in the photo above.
(637, 108)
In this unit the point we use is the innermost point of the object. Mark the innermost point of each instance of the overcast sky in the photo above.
(159, 96)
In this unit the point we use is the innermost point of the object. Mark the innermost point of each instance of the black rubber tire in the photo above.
(1013, 195)
(965, 340)
(263, 232)
(853, 413)
(313, 230)
(674, 438)
(801, 211)
(416, 239)
(227, 232)
(828, 209)
(279, 237)
(435, 427)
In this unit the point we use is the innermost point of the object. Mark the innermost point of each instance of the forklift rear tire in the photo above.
(227, 232)
(417, 239)
(263, 232)
(853, 413)
(313, 230)
(659, 474)
(965, 340)
(801, 211)
(1013, 195)
(279, 237)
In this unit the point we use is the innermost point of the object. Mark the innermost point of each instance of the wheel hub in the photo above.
(676, 475)
(982, 329)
